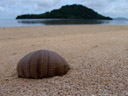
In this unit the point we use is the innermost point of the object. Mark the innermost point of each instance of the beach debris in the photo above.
(42, 63)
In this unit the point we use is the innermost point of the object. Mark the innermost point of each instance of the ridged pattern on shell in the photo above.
(42, 63)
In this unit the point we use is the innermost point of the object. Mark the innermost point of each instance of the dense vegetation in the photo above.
(67, 12)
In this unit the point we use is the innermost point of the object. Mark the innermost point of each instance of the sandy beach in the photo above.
(97, 55)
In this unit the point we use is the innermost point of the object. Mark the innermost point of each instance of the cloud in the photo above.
(12, 8)
(1, 9)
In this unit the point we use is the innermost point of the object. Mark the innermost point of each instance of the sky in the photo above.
(9, 9)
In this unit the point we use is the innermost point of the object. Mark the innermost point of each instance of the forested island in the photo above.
(67, 12)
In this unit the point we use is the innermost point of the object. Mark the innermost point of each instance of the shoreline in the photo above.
(105, 25)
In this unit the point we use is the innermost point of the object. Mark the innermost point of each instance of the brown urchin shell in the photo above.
(42, 63)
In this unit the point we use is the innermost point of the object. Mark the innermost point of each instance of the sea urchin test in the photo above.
(40, 64)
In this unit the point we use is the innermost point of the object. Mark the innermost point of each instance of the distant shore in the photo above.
(97, 55)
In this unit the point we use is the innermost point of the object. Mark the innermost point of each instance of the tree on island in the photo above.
(67, 12)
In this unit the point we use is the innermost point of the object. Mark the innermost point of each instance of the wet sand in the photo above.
(97, 55)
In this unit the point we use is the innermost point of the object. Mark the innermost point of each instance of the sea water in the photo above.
(45, 22)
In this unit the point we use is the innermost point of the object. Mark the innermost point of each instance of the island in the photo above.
(120, 18)
(74, 11)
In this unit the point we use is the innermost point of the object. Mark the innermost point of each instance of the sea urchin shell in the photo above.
(42, 63)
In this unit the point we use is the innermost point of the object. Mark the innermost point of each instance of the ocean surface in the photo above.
(45, 22)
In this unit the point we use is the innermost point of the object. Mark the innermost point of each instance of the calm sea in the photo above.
(44, 22)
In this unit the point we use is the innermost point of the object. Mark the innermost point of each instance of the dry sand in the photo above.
(97, 55)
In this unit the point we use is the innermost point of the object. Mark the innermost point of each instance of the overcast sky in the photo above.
(9, 9)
